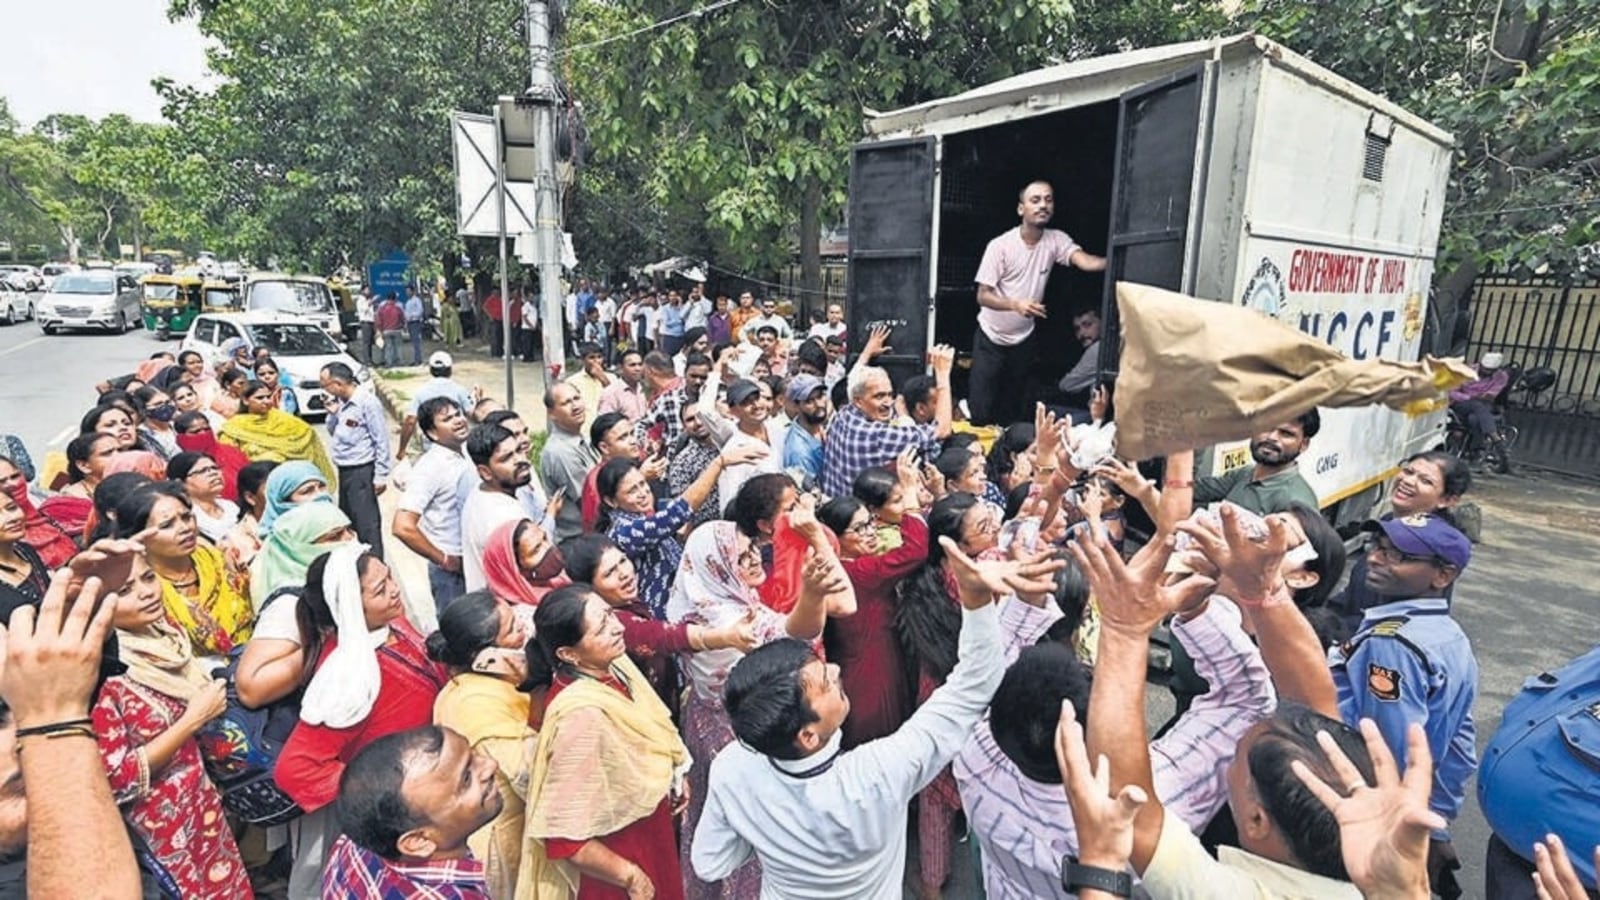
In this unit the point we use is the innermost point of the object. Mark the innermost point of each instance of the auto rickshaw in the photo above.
(346, 301)
(169, 303)
(219, 296)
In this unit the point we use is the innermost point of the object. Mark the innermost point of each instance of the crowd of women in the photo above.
(594, 682)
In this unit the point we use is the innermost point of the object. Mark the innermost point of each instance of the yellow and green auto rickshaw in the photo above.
(218, 296)
(169, 303)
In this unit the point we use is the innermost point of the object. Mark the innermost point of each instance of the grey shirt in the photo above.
(563, 465)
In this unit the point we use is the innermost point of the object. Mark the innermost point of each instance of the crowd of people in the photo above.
(744, 617)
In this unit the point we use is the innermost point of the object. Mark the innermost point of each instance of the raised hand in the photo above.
(1104, 821)
(978, 583)
(1134, 597)
(822, 576)
(110, 560)
(52, 655)
(877, 343)
(1553, 877)
(1046, 436)
(1128, 478)
(1099, 401)
(1249, 569)
(943, 358)
(1383, 828)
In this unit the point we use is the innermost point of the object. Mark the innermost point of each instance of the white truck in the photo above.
(1230, 169)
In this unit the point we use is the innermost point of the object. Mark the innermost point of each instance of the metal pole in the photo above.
(505, 290)
(544, 95)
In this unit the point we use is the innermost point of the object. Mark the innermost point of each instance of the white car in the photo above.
(51, 270)
(28, 277)
(93, 298)
(299, 346)
(16, 299)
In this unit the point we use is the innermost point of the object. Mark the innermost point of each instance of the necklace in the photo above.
(14, 569)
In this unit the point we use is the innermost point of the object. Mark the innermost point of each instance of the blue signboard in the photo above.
(389, 275)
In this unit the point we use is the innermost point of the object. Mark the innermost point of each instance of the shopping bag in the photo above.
(1195, 373)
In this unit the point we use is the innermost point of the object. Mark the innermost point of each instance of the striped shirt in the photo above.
(1025, 827)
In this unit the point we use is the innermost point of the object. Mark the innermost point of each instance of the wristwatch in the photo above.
(1075, 875)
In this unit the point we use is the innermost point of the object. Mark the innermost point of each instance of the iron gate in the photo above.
(1547, 323)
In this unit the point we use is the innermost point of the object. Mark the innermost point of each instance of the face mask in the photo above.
(548, 568)
(162, 413)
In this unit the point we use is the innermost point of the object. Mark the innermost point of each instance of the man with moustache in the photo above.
(358, 442)
(802, 446)
(428, 520)
(1274, 482)
(502, 471)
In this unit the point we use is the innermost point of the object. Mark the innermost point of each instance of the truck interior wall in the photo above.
(982, 173)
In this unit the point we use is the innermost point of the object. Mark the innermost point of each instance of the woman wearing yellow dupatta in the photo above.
(483, 640)
(194, 580)
(607, 776)
(265, 432)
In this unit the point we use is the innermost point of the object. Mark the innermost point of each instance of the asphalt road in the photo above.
(1528, 600)
(47, 382)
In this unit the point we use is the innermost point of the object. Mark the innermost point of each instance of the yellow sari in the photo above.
(604, 761)
(218, 619)
(279, 437)
(493, 716)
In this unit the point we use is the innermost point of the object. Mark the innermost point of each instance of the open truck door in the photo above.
(892, 211)
(1162, 132)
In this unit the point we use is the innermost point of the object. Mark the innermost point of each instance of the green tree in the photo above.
(742, 119)
(327, 140)
(1517, 82)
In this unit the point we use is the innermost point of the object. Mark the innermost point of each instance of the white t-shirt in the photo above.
(825, 330)
(1017, 270)
(608, 310)
(481, 513)
(433, 493)
(277, 622)
(696, 313)
(734, 477)
(530, 315)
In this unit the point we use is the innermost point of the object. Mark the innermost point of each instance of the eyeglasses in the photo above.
(1389, 553)
(204, 470)
(861, 529)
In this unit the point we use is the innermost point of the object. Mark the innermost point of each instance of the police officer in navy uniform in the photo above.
(1541, 776)
(1410, 662)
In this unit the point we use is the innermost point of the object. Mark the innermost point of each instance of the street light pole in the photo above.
(545, 98)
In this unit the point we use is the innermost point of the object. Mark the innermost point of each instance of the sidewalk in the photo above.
(474, 367)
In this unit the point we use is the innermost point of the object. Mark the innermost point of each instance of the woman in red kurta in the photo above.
(372, 678)
(864, 645)
(145, 722)
(607, 777)
(346, 708)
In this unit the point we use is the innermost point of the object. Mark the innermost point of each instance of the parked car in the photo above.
(94, 298)
(298, 345)
(28, 277)
(16, 299)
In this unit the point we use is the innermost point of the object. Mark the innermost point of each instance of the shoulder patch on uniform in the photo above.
(1383, 683)
(1594, 711)
(1387, 628)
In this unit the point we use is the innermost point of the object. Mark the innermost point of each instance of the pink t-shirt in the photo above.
(1015, 269)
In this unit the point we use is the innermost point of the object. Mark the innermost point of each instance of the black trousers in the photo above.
(359, 501)
(496, 336)
(998, 389)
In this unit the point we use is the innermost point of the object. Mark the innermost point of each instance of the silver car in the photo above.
(93, 298)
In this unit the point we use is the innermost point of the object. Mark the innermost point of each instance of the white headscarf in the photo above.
(345, 686)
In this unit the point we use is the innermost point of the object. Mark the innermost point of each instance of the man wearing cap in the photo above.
(1474, 403)
(802, 446)
(440, 366)
(753, 425)
(1410, 662)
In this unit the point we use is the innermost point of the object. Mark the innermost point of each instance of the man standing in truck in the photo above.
(1011, 280)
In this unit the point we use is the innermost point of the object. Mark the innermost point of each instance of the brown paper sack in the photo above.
(1195, 373)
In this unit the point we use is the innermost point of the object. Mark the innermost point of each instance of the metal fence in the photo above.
(1547, 323)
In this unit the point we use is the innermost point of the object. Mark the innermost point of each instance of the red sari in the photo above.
(177, 810)
(651, 843)
(54, 540)
(229, 459)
